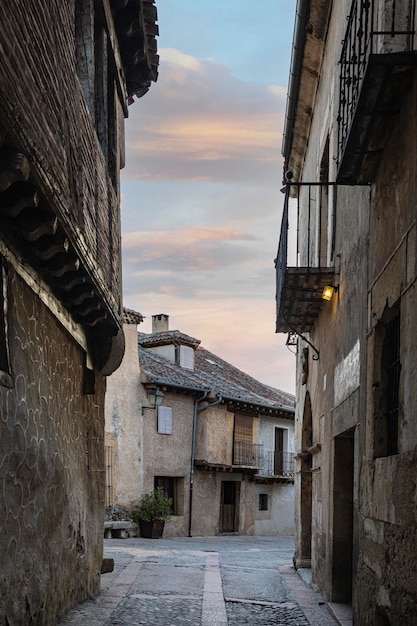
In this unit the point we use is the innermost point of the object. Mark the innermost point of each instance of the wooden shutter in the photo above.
(243, 428)
(165, 420)
(187, 357)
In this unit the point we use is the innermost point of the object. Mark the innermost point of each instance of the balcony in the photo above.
(247, 455)
(299, 288)
(277, 465)
(379, 44)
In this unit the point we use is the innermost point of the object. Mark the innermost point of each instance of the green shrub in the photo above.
(150, 506)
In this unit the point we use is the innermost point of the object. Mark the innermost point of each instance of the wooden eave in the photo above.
(255, 410)
(304, 86)
(270, 480)
(301, 298)
(136, 29)
(206, 466)
(384, 84)
(31, 228)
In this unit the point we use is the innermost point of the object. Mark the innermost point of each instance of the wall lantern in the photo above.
(328, 292)
(155, 398)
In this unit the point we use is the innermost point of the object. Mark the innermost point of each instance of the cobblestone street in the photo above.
(214, 581)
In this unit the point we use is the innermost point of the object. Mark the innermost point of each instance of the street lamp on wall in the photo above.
(155, 398)
(328, 292)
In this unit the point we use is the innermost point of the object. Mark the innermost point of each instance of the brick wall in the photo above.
(43, 110)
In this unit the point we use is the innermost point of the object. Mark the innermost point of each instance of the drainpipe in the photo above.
(197, 409)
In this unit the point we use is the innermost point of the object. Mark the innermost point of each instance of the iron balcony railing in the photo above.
(278, 464)
(374, 27)
(247, 454)
(299, 284)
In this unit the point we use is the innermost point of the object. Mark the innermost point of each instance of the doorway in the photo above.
(229, 506)
(279, 452)
(306, 488)
(342, 568)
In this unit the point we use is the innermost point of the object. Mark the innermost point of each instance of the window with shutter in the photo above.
(243, 428)
(263, 502)
(187, 357)
(165, 420)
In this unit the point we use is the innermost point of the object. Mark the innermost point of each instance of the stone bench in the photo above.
(120, 529)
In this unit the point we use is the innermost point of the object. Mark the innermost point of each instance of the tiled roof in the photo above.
(166, 337)
(234, 383)
(132, 317)
(213, 373)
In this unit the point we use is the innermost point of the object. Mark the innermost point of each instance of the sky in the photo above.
(201, 200)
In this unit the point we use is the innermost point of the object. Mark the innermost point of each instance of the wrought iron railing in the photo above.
(374, 27)
(282, 254)
(278, 464)
(247, 454)
(314, 205)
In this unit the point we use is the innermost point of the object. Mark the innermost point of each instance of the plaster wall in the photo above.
(266, 433)
(279, 518)
(168, 352)
(214, 438)
(170, 455)
(207, 501)
(123, 419)
(206, 504)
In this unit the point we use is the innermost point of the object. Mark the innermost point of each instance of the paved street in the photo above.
(215, 581)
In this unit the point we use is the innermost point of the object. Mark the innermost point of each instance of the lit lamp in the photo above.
(155, 398)
(328, 292)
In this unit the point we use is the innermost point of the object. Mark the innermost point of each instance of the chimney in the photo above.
(160, 323)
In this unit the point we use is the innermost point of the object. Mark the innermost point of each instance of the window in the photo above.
(263, 501)
(173, 488)
(165, 420)
(387, 350)
(97, 76)
(187, 357)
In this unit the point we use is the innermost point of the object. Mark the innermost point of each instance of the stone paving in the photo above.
(217, 581)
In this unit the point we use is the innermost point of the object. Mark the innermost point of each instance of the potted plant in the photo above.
(151, 512)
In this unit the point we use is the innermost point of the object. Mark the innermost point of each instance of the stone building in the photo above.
(351, 195)
(221, 443)
(67, 73)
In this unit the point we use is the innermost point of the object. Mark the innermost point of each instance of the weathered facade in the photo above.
(221, 444)
(349, 143)
(67, 73)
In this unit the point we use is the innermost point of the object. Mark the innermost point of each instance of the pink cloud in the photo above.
(201, 123)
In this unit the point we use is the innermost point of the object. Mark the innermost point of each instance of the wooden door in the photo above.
(279, 449)
(229, 509)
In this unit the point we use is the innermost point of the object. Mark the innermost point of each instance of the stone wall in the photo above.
(387, 559)
(51, 464)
